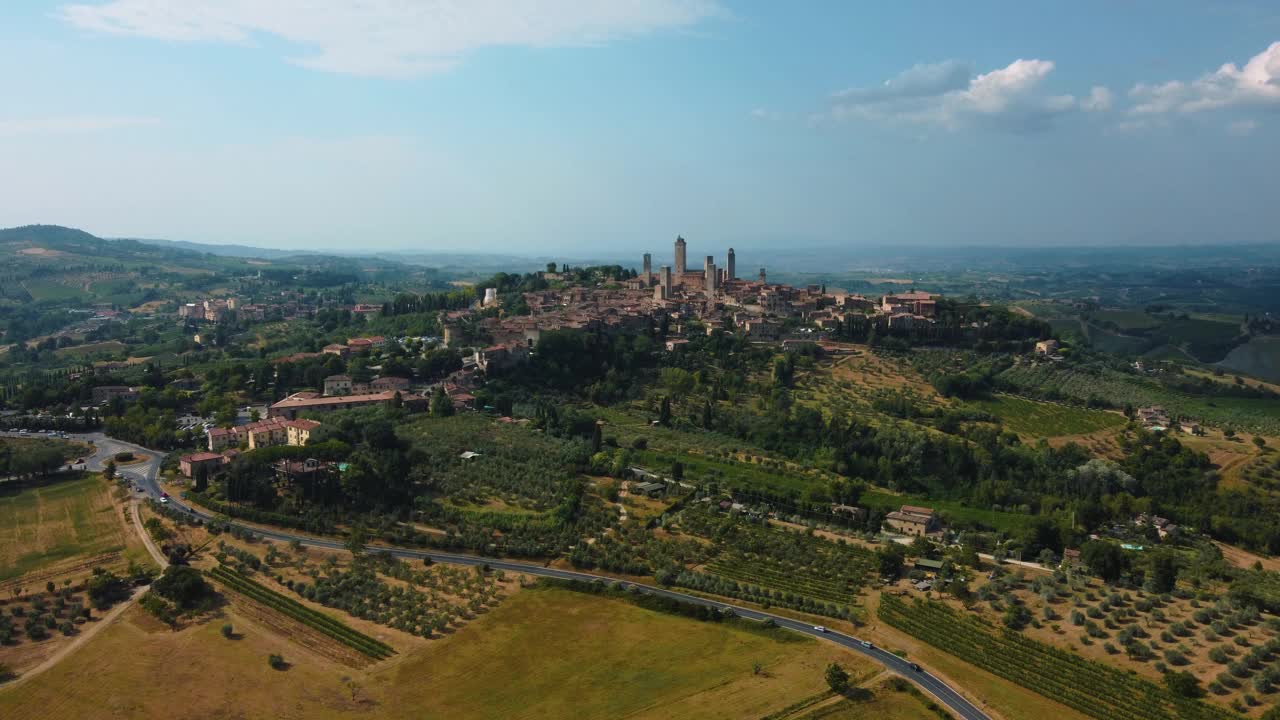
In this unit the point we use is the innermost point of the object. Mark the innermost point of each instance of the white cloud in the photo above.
(1099, 100)
(1255, 84)
(945, 94)
(918, 81)
(71, 124)
(389, 38)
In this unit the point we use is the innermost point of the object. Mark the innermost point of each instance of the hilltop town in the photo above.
(319, 451)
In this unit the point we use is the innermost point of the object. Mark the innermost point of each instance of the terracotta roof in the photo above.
(312, 400)
(201, 457)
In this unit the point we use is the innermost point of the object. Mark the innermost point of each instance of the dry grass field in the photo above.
(544, 653)
(58, 522)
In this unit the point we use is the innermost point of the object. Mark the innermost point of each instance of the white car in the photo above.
(820, 628)
(867, 644)
(164, 501)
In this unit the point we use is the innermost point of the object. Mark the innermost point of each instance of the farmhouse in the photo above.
(1153, 417)
(648, 489)
(1046, 347)
(913, 520)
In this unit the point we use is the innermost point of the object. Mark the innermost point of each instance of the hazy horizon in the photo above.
(605, 129)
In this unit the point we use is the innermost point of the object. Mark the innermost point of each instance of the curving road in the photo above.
(144, 475)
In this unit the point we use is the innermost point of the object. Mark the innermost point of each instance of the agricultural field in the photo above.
(852, 384)
(59, 524)
(1034, 419)
(775, 566)
(567, 654)
(41, 290)
(558, 653)
(1232, 651)
(427, 602)
(39, 619)
(525, 471)
(109, 347)
(1259, 357)
(1127, 319)
(1094, 689)
(238, 582)
(1083, 385)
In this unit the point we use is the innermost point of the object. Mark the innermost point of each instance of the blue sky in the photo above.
(592, 127)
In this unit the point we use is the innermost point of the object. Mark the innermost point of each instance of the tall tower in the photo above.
(713, 277)
(679, 256)
(708, 265)
(648, 266)
(664, 277)
(761, 276)
(729, 268)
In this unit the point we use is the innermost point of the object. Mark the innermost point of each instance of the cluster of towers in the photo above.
(711, 278)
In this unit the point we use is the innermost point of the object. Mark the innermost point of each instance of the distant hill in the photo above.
(245, 251)
(29, 239)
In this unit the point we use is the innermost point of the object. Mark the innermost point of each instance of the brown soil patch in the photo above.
(1242, 558)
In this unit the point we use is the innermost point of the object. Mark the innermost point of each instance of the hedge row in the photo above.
(335, 629)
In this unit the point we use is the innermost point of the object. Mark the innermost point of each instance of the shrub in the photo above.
(185, 586)
(1184, 684)
(228, 631)
(276, 662)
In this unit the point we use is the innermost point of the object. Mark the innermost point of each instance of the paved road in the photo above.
(145, 476)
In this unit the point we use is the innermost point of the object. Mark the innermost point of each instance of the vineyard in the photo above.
(1091, 688)
(789, 568)
(813, 581)
(1042, 419)
(233, 580)
(1118, 389)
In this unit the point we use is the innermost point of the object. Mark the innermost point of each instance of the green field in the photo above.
(46, 290)
(1127, 319)
(109, 347)
(949, 510)
(1043, 419)
(42, 525)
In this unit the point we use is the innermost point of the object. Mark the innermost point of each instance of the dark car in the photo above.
(915, 667)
